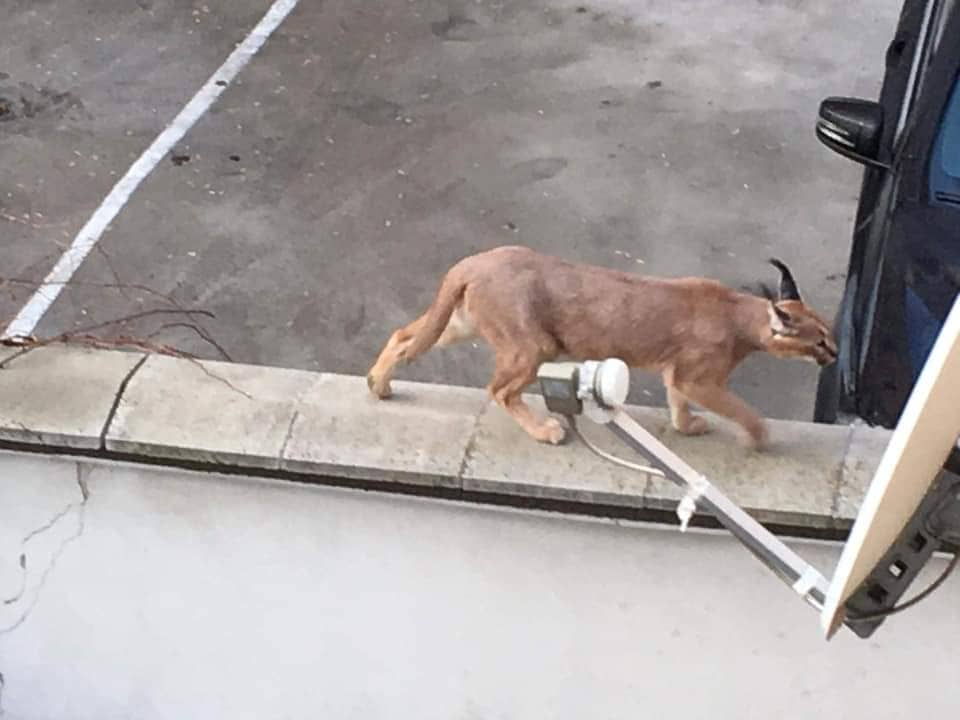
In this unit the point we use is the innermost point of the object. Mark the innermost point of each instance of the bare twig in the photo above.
(219, 378)
(84, 335)
(137, 316)
(121, 287)
(124, 341)
(198, 330)
(110, 286)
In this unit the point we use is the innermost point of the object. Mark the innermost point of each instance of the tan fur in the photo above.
(532, 308)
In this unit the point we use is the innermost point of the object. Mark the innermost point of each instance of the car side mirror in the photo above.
(852, 127)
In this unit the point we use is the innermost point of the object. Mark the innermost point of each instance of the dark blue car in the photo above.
(904, 269)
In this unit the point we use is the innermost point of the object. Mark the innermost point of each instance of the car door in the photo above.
(915, 259)
(854, 383)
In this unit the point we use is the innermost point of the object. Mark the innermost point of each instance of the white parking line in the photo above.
(36, 307)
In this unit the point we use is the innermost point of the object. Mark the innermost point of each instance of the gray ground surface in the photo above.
(194, 596)
(377, 143)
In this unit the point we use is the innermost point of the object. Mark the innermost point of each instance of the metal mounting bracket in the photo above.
(935, 523)
(805, 579)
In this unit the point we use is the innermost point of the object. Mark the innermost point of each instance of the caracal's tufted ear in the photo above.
(788, 286)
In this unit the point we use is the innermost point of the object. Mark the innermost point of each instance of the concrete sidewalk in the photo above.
(161, 594)
(430, 439)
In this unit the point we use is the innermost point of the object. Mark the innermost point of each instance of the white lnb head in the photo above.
(592, 387)
(611, 381)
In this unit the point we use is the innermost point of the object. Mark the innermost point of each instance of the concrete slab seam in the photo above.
(7, 361)
(297, 403)
(118, 398)
(841, 477)
(471, 444)
(286, 438)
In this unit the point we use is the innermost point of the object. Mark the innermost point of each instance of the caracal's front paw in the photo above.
(550, 431)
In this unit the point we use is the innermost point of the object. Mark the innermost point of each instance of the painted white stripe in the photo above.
(30, 315)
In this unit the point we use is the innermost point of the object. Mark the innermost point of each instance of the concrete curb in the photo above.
(326, 428)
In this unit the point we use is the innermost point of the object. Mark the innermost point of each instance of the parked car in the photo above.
(904, 267)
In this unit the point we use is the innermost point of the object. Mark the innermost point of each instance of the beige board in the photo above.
(924, 436)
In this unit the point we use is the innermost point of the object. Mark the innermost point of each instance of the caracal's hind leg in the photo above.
(460, 327)
(393, 353)
(397, 350)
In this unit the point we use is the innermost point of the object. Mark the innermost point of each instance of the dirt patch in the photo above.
(25, 101)
(369, 109)
(457, 29)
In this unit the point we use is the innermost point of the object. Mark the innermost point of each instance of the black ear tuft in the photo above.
(761, 289)
(788, 286)
(766, 291)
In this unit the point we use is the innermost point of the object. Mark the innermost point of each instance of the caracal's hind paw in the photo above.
(696, 425)
(378, 387)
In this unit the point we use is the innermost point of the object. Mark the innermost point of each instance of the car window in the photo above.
(921, 57)
(950, 136)
(936, 16)
(940, 14)
(943, 14)
(945, 162)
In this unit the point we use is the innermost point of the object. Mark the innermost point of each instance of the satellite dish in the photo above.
(912, 504)
(911, 509)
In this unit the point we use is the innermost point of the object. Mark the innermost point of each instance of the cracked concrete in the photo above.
(846, 474)
(472, 442)
(41, 547)
(61, 395)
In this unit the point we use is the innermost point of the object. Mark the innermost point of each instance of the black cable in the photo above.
(865, 617)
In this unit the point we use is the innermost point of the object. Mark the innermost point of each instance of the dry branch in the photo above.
(85, 335)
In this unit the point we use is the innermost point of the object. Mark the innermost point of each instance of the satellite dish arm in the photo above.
(598, 390)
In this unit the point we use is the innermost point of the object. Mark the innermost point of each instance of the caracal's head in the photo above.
(796, 330)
